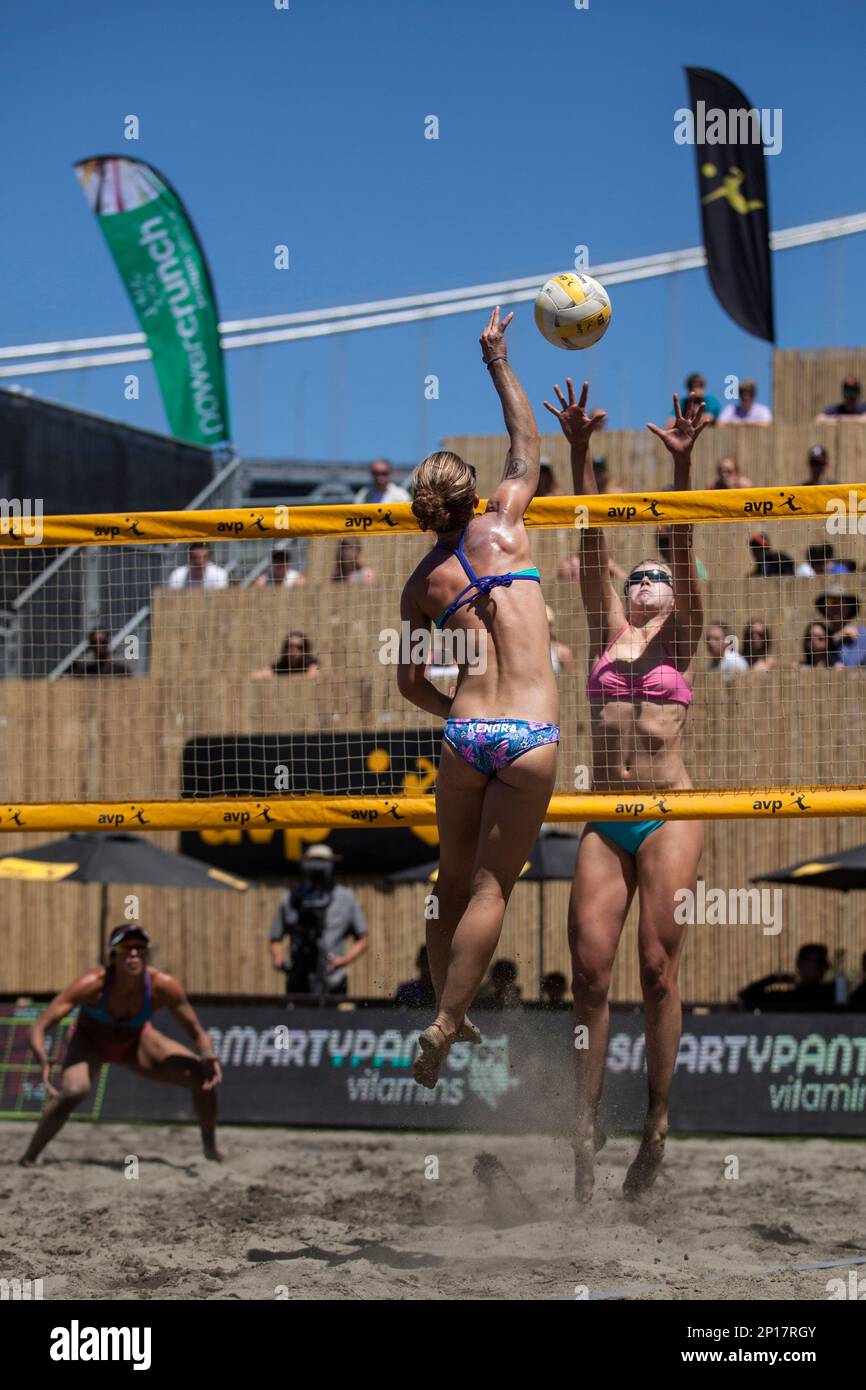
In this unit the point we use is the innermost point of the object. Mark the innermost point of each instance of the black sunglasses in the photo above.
(654, 576)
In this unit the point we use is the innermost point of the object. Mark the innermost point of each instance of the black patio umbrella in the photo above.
(843, 871)
(113, 858)
(553, 856)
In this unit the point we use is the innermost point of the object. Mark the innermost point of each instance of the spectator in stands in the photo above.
(99, 660)
(747, 410)
(380, 487)
(847, 637)
(728, 474)
(281, 572)
(602, 474)
(569, 570)
(769, 563)
(819, 464)
(849, 408)
(561, 658)
(756, 644)
(418, 993)
(547, 484)
(349, 568)
(665, 549)
(501, 990)
(553, 987)
(857, 997)
(722, 649)
(816, 647)
(199, 572)
(696, 383)
(805, 990)
(820, 559)
(319, 917)
(295, 659)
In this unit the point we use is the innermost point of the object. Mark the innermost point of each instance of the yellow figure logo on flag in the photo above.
(730, 189)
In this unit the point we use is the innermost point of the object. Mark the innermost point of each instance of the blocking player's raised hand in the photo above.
(680, 438)
(576, 423)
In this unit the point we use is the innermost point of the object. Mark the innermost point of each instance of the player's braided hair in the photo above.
(443, 487)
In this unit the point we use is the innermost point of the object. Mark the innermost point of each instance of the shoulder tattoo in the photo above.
(516, 468)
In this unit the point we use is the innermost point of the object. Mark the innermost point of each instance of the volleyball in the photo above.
(572, 310)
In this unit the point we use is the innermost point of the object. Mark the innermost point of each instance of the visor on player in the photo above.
(128, 935)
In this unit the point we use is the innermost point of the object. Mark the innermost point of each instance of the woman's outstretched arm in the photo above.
(520, 478)
(679, 441)
(601, 605)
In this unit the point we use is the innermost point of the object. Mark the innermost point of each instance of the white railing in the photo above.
(87, 353)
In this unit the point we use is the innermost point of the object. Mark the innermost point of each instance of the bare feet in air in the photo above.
(645, 1166)
(434, 1044)
(585, 1147)
(211, 1151)
(469, 1033)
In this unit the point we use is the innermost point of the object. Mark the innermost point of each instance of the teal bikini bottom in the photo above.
(629, 837)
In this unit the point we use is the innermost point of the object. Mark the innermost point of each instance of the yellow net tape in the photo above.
(279, 523)
(311, 812)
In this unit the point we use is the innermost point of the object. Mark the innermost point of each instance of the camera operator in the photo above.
(318, 916)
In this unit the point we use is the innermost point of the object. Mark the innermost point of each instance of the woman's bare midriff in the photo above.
(638, 745)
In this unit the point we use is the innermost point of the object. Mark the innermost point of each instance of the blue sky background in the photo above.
(306, 127)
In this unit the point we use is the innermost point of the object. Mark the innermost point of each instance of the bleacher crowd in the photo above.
(834, 637)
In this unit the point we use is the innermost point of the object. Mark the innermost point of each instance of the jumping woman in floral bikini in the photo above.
(499, 746)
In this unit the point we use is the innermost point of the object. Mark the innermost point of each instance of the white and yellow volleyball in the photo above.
(572, 310)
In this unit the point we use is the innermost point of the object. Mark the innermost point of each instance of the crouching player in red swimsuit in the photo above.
(116, 1004)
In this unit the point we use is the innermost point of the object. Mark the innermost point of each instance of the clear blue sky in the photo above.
(306, 127)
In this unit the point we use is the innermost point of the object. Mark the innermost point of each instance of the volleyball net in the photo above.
(153, 683)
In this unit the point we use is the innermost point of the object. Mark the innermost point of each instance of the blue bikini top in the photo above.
(478, 583)
(101, 1015)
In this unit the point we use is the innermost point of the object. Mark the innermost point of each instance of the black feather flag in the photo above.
(729, 136)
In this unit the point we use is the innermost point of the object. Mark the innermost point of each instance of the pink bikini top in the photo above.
(662, 682)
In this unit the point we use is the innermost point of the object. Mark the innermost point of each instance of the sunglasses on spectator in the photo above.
(654, 576)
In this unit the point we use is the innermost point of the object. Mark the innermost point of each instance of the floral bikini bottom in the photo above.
(491, 744)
